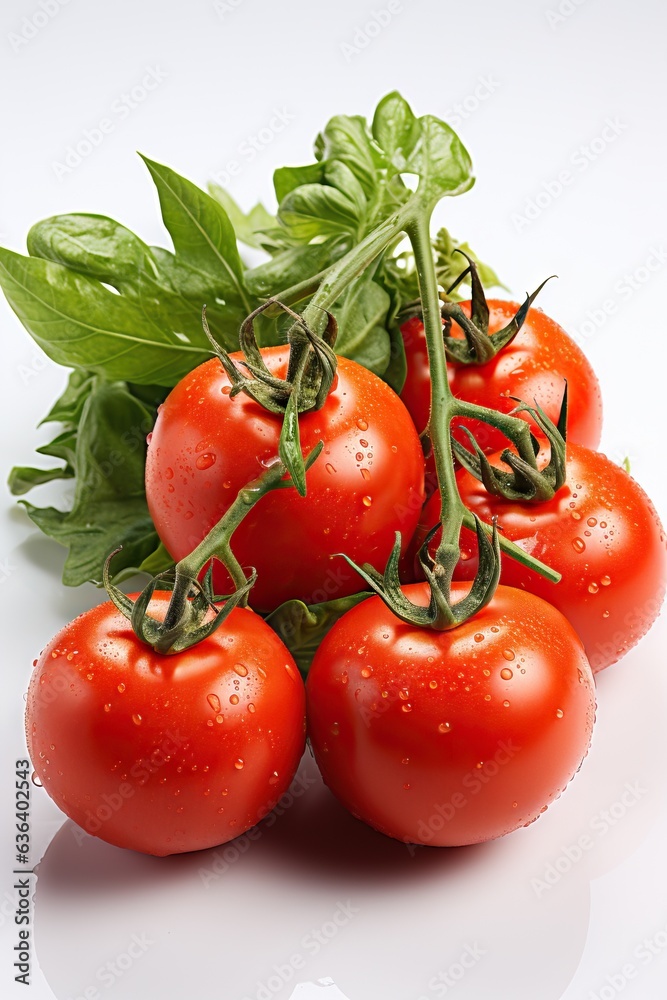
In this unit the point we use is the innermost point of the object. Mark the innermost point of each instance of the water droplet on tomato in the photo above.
(330, 469)
(506, 674)
(219, 719)
(506, 704)
(494, 628)
(363, 442)
(335, 729)
(136, 719)
(366, 671)
(407, 707)
(444, 727)
(433, 685)
(366, 474)
(239, 763)
(367, 501)
(120, 688)
(394, 448)
(251, 708)
(168, 473)
(206, 460)
(107, 707)
(213, 701)
(578, 544)
(260, 671)
(274, 778)
(234, 699)
(362, 424)
(559, 713)
(479, 637)
(508, 654)
(576, 515)
(605, 580)
(593, 587)
(34, 777)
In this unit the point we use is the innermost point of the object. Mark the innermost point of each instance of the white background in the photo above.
(546, 86)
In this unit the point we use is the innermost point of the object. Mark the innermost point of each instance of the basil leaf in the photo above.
(90, 244)
(109, 506)
(247, 226)
(361, 314)
(201, 231)
(440, 160)
(303, 626)
(81, 324)
(286, 179)
(295, 266)
(23, 478)
(67, 408)
(347, 139)
(317, 210)
(396, 129)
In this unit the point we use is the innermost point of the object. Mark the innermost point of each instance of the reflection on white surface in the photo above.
(319, 896)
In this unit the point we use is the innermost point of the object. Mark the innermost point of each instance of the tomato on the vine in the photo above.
(366, 485)
(600, 532)
(531, 367)
(450, 737)
(165, 753)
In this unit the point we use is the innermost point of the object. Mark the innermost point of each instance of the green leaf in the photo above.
(317, 210)
(302, 627)
(346, 138)
(200, 229)
(247, 226)
(440, 160)
(109, 506)
(23, 478)
(157, 562)
(67, 408)
(81, 324)
(396, 129)
(294, 266)
(361, 314)
(286, 179)
(90, 244)
(62, 446)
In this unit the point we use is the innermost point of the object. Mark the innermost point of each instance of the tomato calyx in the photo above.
(525, 482)
(176, 632)
(478, 346)
(440, 613)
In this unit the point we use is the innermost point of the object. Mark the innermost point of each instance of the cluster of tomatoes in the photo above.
(433, 737)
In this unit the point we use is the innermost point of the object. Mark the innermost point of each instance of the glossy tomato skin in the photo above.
(532, 367)
(600, 531)
(455, 737)
(165, 754)
(367, 484)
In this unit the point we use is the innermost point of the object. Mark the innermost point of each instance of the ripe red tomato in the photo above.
(532, 367)
(165, 754)
(454, 737)
(367, 484)
(600, 531)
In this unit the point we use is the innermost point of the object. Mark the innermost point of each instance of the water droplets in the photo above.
(406, 707)
(508, 654)
(479, 637)
(330, 469)
(605, 580)
(233, 699)
(578, 544)
(107, 707)
(559, 713)
(591, 522)
(274, 778)
(239, 763)
(36, 780)
(136, 719)
(366, 671)
(362, 424)
(593, 587)
(169, 473)
(433, 684)
(367, 501)
(120, 688)
(206, 460)
(365, 474)
(445, 727)
(213, 701)
(242, 670)
(506, 674)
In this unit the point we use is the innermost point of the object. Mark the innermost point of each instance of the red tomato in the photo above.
(454, 737)
(600, 531)
(532, 367)
(367, 484)
(165, 754)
